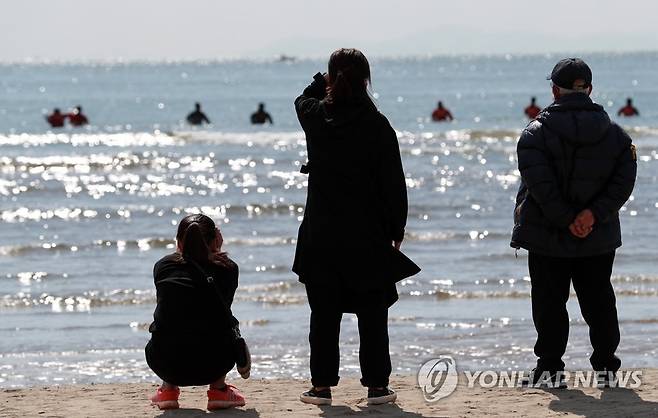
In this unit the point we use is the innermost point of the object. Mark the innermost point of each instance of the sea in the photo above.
(85, 213)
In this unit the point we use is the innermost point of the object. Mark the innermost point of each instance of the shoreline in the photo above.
(279, 398)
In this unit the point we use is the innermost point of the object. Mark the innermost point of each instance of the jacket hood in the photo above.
(576, 118)
(344, 113)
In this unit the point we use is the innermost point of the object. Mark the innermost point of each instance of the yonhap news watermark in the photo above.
(439, 378)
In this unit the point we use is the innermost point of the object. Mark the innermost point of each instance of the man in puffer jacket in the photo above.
(578, 169)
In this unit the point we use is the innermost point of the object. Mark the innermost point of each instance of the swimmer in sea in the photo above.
(56, 119)
(441, 114)
(261, 116)
(77, 118)
(628, 110)
(197, 117)
(532, 110)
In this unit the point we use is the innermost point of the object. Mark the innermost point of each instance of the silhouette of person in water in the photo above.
(532, 110)
(197, 117)
(261, 116)
(628, 110)
(56, 119)
(77, 118)
(441, 114)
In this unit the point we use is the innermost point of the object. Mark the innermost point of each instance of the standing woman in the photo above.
(191, 335)
(356, 211)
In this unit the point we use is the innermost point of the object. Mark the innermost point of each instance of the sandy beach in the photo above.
(279, 398)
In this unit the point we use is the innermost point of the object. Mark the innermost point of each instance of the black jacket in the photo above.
(357, 197)
(190, 341)
(187, 307)
(572, 157)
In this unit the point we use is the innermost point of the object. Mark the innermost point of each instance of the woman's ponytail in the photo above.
(196, 237)
(195, 246)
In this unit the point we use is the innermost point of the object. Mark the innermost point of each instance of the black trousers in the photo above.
(374, 357)
(189, 361)
(551, 278)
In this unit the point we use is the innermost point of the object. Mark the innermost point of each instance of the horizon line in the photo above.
(291, 58)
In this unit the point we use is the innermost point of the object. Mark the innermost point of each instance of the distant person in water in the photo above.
(441, 114)
(77, 118)
(532, 110)
(56, 119)
(197, 117)
(628, 110)
(261, 116)
(191, 335)
(356, 210)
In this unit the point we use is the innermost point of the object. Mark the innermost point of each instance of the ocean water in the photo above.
(85, 213)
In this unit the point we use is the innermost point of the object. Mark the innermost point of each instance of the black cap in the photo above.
(567, 71)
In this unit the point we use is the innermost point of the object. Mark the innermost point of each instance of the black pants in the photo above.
(374, 357)
(189, 361)
(551, 278)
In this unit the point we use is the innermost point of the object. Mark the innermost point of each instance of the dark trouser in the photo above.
(189, 361)
(374, 357)
(551, 278)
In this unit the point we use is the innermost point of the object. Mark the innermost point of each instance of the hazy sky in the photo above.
(168, 29)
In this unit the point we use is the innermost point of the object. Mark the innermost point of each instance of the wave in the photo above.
(89, 300)
(81, 162)
(127, 139)
(23, 214)
(54, 247)
(278, 293)
(430, 236)
(144, 244)
(159, 138)
(241, 138)
(28, 277)
(443, 294)
(33, 213)
(79, 303)
(106, 353)
(152, 139)
(642, 131)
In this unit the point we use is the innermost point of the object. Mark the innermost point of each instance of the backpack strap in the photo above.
(210, 280)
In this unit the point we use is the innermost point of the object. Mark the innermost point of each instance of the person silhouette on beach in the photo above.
(193, 331)
(532, 110)
(261, 116)
(347, 253)
(56, 119)
(441, 114)
(197, 117)
(577, 170)
(628, 110)
(77, 118)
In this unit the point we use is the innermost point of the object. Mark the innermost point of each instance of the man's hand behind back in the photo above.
(583, 224)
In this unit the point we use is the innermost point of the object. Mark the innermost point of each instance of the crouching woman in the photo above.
(193, 331)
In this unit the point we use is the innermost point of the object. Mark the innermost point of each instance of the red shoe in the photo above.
(166, 398)
(228, 397)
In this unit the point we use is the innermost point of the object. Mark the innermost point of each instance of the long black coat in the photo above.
(357, 198)
(572, 157)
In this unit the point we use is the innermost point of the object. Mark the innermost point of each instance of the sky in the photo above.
(215, 29)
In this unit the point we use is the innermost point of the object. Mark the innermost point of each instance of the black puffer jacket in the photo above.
(357, 197)
(572, 157)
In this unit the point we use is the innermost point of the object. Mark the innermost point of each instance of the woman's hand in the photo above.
(219, 240)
